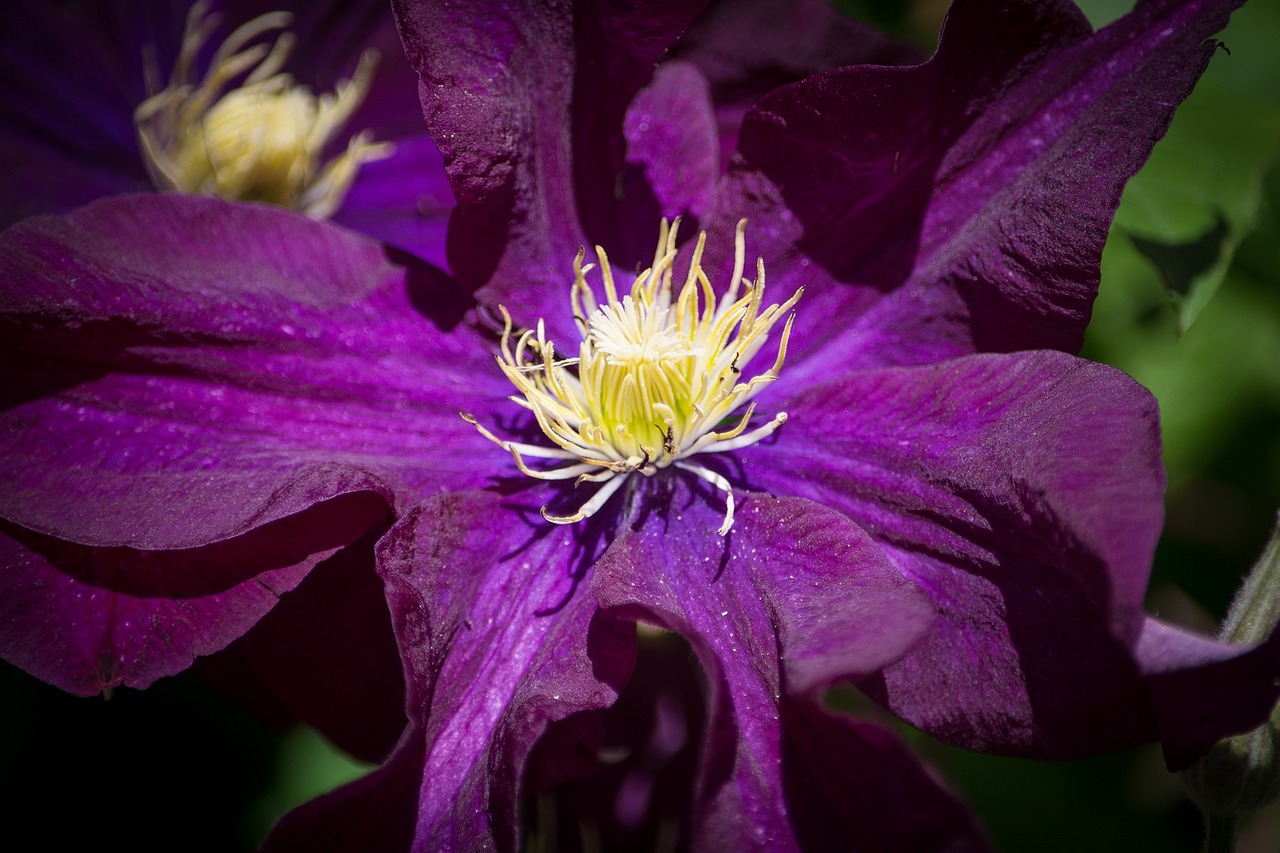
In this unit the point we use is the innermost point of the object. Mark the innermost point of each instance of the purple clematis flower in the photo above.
(308, 105)
(207, 401)
(933, 213)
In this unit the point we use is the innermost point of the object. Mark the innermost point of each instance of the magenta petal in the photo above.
(671, 135)
(854, 785)
(978, 188)
(178, 361)
(88, 619)
(507, 152)
(1023, 493)
(499, 637)
(794, 598)
(188, 384)
(1200, 689)
(527, 107)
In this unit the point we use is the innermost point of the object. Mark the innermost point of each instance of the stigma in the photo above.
(261, 140)
(659, 378)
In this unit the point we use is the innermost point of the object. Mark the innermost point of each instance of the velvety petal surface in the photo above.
(527, 105)
(975, 190)
(1199, 688)
(1023, 493)
(852, 780)
(793, 598)
(500, 636)
(88, 619)
(188, 381)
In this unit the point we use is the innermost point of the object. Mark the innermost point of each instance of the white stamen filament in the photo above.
(657, 374)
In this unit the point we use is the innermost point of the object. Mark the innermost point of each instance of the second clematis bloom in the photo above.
(208, 399)
(262, 140)
(305, 105)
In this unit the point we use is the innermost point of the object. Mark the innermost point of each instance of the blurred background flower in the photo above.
(169, 94)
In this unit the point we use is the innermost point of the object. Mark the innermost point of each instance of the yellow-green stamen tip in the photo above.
(656, 377)
(261, 140)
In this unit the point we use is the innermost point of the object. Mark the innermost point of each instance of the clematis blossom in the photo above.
(946, 220)
(307, 105)
(208, 399)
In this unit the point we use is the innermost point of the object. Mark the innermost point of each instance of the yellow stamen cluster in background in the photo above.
(659, 377)
(261, 140)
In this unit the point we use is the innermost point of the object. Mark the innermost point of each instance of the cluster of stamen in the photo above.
(261, 140)
(659, 376)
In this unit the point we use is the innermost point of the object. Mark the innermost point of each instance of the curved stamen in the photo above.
(656, 373)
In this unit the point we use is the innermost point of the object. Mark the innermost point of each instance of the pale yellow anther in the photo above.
(261, 140)
(659, 376)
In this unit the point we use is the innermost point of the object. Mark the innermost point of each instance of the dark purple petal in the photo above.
(88, 619)
(527, 108)
(66, 130)
(852, 781)
(181, 374)
(404, 200)
(1200, 689)
(629, 769)
(978, 187)
(328, 653)
(795, 597)
(495, 90)
(500, 636)
(748, 48)
(672, 138)
(376, 812)
(1022, 492)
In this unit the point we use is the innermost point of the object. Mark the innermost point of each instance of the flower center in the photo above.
(260, 141)
(659, 376)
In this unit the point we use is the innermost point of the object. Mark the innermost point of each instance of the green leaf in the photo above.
(1200, 194)
(1182, 263)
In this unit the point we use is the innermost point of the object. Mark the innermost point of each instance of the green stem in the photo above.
(1253, 611)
